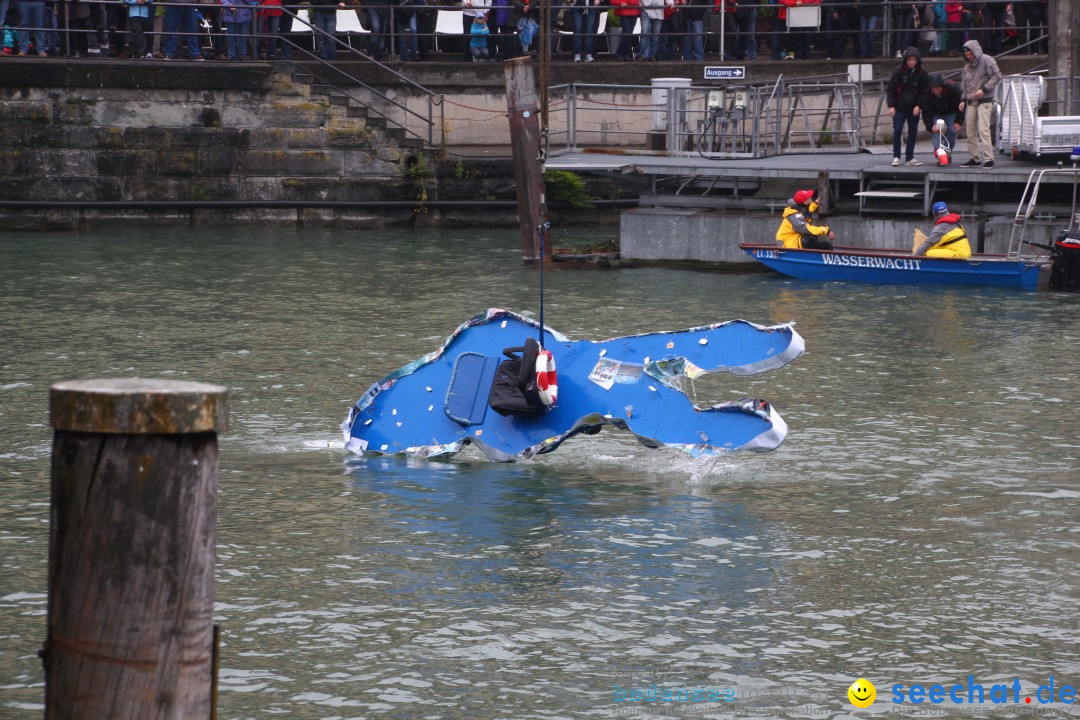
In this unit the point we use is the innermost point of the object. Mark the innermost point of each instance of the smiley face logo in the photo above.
(862, 693)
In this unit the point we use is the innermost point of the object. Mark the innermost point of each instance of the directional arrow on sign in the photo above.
(722, 72)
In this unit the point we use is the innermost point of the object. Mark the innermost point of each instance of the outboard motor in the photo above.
(1065, 261)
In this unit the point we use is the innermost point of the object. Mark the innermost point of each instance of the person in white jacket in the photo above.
(652, 17)
(978, 81)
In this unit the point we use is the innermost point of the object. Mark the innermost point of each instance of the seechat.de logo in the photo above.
(862, 693)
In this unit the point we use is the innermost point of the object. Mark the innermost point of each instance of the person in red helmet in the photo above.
(796, 230)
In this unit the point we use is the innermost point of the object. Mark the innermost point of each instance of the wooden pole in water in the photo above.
(528, 165)
(131, 548)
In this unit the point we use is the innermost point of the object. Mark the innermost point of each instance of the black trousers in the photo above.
(815, 242)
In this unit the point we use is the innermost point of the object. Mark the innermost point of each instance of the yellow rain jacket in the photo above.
(948, 239)
(795, 225)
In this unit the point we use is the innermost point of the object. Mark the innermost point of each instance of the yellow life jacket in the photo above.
(789, 236)
(954, 244)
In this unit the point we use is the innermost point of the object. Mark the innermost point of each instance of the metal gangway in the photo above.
(1037, 115)
(744, 120)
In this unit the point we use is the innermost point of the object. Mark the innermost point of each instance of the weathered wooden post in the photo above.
(131, 548)
(525, 145)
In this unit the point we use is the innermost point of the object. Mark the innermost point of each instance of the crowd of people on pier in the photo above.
(409, 30)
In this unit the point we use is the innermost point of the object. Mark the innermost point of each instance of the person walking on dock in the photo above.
(978, 81)
(905, 95)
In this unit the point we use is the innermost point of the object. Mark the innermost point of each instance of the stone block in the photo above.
(353, 136)
(297, 188)
(211, 188)
(126, 163)
(290, 115)
(363, 190)
(274, 217)
(62, 188)
(62, 161)
(14, 113)
(64, 220)
(367, 164)
(293, 163)
(208, 137)
(23, 135)
(26, 220)
(172, 161)
(76, 110)
(217, 161)
(156, 189)
(284, 139)
(16, 162)
(146, 137)
(259, 188)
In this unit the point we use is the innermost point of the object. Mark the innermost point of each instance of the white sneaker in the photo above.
(895, 161)
(149, 56)
(913, 162)
(589, 58)
(577, 58)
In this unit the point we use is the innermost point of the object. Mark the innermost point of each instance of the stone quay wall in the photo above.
(142, 135)
(117, 140)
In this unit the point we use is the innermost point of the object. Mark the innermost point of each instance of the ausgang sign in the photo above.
(721, 72)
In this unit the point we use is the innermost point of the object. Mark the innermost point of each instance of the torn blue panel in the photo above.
(436, 404)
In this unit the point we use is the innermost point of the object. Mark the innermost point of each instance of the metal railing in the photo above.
(1027, 207)
(894, 25)
(745, 120)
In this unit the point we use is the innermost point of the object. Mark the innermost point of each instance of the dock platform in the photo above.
(862, 182)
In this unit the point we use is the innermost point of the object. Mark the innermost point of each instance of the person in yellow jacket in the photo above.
(796, 232)
(948, 239)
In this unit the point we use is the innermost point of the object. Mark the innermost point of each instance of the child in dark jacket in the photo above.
(906, 95)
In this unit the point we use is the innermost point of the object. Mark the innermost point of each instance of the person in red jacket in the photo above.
(627, 11)
(269, 23)
(800, 38)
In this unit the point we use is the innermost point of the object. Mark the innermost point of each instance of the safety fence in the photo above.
(674, 117)
(747, 29)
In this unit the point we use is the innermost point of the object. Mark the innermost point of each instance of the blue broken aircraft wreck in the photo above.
(482, 387)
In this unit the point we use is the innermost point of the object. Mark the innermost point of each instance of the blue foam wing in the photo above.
(437, 404)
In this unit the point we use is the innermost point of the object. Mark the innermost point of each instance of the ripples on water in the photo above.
(919, 524)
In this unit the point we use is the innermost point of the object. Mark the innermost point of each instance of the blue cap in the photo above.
(940, 207)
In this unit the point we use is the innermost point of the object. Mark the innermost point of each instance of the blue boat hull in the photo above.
(893, 267)
(437, 404)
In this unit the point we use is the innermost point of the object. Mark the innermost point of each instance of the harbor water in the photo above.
(919, 526)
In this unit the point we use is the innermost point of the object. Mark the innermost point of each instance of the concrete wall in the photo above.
(624, 118)
(473, 111)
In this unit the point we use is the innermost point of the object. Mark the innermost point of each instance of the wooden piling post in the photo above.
(525, 144)
(131, 548)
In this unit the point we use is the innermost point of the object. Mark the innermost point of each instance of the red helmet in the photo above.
(802, 197)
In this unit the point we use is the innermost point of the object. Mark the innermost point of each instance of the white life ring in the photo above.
(547, 383)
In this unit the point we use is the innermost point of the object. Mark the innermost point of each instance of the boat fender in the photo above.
(547, 383)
